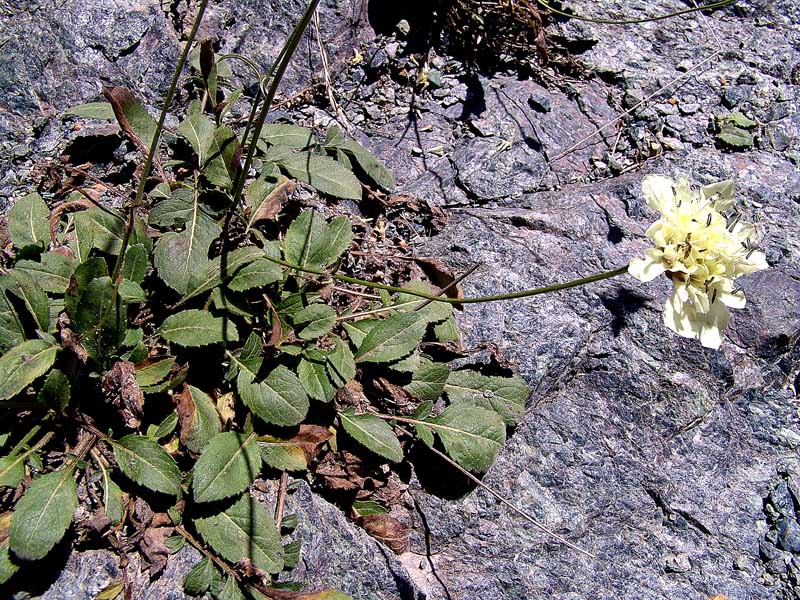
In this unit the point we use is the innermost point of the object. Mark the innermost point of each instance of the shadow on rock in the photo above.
(622, 303)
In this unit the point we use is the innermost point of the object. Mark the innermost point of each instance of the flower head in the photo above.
(701, 250)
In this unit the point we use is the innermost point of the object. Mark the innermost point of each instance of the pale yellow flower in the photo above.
(701, 250)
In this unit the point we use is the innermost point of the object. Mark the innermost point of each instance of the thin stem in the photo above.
(399, 290)
(280, 503)
(355, 293)
(280, 69)
(27, 438)
(220, 563)
(377, 311)
(148, 161)
(451, 285)
(685, 11)
(45, 438)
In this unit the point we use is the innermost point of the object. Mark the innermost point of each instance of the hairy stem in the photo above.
(279, 70)
(479, 299)
(148, 161)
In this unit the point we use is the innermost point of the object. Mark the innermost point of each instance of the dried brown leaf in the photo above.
(121, 389)
(65, 207)
(272, 204)
(387, 529)
(153, 547)
(440, 275)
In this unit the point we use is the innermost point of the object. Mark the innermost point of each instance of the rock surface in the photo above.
(651, 453)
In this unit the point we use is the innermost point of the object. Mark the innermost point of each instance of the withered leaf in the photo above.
(121, 389)
(387, 529)
(269, 207)
(154, 548)
(132, 117)
(55, 214)
(440, 276)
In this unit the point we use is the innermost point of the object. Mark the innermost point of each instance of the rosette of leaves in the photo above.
(188, 356)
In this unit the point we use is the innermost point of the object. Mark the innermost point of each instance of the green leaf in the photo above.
(199, 419)
(222, 165)
(314, 321)
(259, 273)
(245, 530)
(33, 297)
(181, 259)
(472, 436)
(229, 464)
(194, 328)
(100, 229)
(28, 222)
(43, 514)
(333, 136)
(175, 210)
(735, 136)
(233, 304)
(279, 398)
(447, 331)
(101, 111)
(504, 395)
(153, 371)
(85, 273)
(374, 168)
(199, 577)
(131, 292)
(12, 470)
(52, 274)
(134, 267)
(395, 337)
(230, 591)
(166, 427)
(322, 173)
(311, 242)
(433, 312)
(366, 508)
(219, 270)
(7, 566)
(112, 498)
(199, 132)
(425, 434)
(148, 464)
(739, 120)
(283, 455)
(291, 554)
(101, 325)
(341, 364)
(358, 330)
(314, 377)
(23, 364)
(372, 432)
(427, 382)
(55, 392)
(292, 136)
(12, 329)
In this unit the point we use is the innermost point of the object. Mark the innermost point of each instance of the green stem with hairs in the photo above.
(116, 280)
(148, 161)
(511, 296)
(678, 13)
(279, 70)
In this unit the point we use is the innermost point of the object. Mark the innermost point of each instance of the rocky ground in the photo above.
(674, 466)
